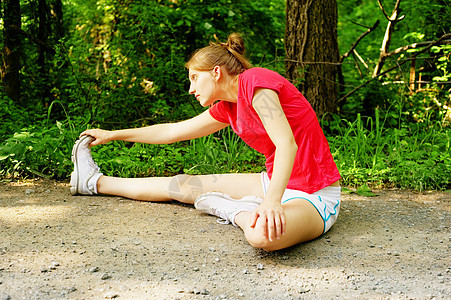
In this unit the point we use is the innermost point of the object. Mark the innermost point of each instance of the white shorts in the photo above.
(326, 201)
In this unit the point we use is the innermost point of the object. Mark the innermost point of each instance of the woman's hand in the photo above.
(272, 219)
(101, 136)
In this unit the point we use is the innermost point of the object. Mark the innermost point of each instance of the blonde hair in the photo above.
(229, 55)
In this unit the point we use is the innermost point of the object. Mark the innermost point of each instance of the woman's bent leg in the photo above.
(303, 223)
(183, 188)
(303, 220)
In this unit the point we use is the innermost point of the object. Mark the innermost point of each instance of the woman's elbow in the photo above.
(291, 145)
(287, 147)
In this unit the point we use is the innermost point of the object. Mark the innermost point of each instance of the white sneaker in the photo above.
(224, 206)
(86, 172)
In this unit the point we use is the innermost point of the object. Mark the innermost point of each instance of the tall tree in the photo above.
(43, 33)
(312, 51)
(56, 12)
(11, 51)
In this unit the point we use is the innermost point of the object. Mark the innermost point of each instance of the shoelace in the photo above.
(223, 218)
(93, 164)
(222, 221)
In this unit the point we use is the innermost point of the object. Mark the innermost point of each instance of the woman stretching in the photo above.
(298, 197)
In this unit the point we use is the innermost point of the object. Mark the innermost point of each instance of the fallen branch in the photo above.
(357, 63)
(341, 79)
(417, 81)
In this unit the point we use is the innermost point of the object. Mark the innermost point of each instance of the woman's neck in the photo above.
(229, 88)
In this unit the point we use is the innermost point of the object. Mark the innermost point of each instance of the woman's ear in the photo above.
(217, 73)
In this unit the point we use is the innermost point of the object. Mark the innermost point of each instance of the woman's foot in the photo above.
(225, 207)
(86, 172)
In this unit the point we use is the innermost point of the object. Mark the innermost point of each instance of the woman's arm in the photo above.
(201, 125)
(267, 105)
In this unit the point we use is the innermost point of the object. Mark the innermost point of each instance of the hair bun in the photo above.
(236, 43)
(229, 55)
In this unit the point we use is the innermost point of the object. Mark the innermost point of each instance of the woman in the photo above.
(296, 200)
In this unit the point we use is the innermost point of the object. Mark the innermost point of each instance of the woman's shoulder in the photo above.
(261, 78)
(259, 71)
(258, 74)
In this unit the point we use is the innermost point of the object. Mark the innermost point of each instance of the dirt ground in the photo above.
(57, 246)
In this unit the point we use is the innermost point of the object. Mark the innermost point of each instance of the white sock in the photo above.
(93, 182)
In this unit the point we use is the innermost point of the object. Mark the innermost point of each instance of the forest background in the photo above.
(117, 64)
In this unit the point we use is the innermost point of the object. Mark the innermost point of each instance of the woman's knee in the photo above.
(257, 239)
(261, 242)
(300, 228)
(185, 188)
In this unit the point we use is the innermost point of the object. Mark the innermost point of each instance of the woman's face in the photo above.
(203, 86)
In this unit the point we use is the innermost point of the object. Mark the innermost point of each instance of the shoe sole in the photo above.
(74, 175)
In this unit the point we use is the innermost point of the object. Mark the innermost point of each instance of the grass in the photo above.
(368, 151)
(410, 156)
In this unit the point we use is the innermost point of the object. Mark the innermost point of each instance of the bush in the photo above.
(13, 117)
(414, 156)
(38, 151)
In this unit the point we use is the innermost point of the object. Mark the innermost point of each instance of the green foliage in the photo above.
(370, 150)
(224, 153)
(443, 63)
(139, 160)
(38, 150)
(121, 64)
(13, 117)
(423, 21)
(364, 190)
(137, 50)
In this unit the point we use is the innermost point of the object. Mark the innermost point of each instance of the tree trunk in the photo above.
(43, 34)
(312, 51)
(49, 18)
(56, 11)
(11, 50)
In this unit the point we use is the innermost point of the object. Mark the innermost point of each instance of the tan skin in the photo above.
(272, 225)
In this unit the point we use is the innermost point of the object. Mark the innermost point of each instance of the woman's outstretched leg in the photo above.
(88, 180)
(145, 189)
(183, 188)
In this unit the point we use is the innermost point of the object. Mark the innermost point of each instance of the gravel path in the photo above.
(56, 246)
